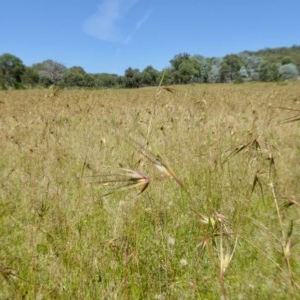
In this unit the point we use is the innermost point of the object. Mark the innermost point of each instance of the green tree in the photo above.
(177, 60)
(74, 77)
(281, 55)
(269, 72)
(231, 64)
(106, 80)
(188, 72)
(30, 77)
(286, 60)
(88, 80)
(203, 66)
(167, 76)
(132, 78)
(150, 76)
(11, 70)
(185, 68)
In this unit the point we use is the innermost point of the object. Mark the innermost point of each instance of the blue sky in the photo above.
(112, 35)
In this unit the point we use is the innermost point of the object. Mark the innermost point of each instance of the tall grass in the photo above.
(156, 193)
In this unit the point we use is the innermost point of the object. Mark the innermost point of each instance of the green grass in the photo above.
(232, 231)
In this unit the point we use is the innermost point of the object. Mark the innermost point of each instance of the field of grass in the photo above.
(225, 224)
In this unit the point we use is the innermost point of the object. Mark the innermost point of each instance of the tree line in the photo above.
(264, 65)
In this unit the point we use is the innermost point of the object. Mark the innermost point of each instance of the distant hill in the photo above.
(279, 55)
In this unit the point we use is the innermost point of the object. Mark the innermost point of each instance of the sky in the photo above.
(109, 36)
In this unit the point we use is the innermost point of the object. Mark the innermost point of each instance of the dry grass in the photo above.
(213, 205)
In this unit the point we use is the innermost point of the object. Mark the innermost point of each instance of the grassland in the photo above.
(230, 231)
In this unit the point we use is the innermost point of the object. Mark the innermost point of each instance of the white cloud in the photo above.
(103, 23)
(138, 25)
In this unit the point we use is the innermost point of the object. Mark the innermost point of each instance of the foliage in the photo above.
(289, 71)
(132, 78)
(178, 59)
(286, 60)
(150, 76)
(230, 67)
(269, 72)
(185, 69)
(280, 55)
(203, 66)
(30, 77)
(168, 76)
(214, 74)
(243, 74)
(264, 65)
(74, 76)
(104, 80)
(253, 65)
(11, 71)
(50, 72)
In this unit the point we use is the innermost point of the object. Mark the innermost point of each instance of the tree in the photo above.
(150, 76)
(269, 72)
(189, 71)
(253, 65)
(214, 74)
(178, 59)
(167, 76)
(11, 70)
(280, 55)
(289, 71)
(185, 69)
(74, 77)
(286, 60)
(230, 67)
(243, 74)
(204, 68)
(30, 77)
(50, 72)
(88, 80)
(132, 78)
(213, 66)
(105, 80)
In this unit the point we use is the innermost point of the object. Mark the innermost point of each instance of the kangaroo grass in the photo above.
(257, 181)
(136, 179)
(126, 180)
(289, 203)
(250, 146)
(157, 161)
(225, 257)
(286, 242)
(291, 119)
(60, 241)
